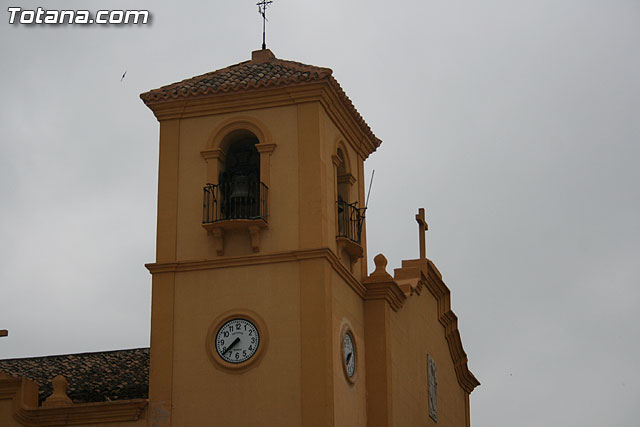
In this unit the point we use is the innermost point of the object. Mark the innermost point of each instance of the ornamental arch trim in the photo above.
(219, 137)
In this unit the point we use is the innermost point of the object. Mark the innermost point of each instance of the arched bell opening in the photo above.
(343, 181)
(350, 215)
(239, 193)
(240, 186)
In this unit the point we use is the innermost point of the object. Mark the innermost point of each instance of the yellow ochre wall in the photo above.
(299, 287)
(302, 192)
(271, 390)
(416, 331)
(297, 284)
(301, 299)
(7, 418)
(350, 400)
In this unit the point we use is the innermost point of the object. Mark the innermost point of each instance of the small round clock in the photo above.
(237, 340)
(349, 359)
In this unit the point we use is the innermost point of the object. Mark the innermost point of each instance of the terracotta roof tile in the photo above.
(92, 377)
(264, 70)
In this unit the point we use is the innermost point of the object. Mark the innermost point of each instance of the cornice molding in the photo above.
(25, 396)
(431, 279)
(357, 134)
(381, 286)
(258, 259)
(388, 291)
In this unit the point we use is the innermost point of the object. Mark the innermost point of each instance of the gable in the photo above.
(426, 327)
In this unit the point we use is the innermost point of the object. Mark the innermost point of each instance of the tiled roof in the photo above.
(264, 70)
(92, 377)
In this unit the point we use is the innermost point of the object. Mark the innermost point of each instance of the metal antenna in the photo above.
(262, 10)
(369, 192)
(362, 212)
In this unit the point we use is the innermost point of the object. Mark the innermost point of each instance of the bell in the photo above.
(239, 187)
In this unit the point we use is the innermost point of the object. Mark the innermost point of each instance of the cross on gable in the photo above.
(422, 228)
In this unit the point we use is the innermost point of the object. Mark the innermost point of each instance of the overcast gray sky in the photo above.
(514, 123)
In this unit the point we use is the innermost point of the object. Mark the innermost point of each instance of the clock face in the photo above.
(237, 340)
(349, 355)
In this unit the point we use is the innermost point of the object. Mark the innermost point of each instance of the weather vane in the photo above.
(262, 10)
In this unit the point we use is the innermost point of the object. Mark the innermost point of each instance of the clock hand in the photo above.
(348, 357)
(236, 341)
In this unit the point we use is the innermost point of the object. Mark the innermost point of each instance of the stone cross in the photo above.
(422, 228)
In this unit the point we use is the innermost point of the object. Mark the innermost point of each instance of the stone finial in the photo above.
(381, 268)
(59, 396)
(381, 264)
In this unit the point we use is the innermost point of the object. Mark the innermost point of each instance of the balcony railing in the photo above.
(350, 219)
(237, 199)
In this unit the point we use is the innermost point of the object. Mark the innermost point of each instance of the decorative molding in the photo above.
(265, 151)
(265, 148)
(347, 178)
(216, 229)
(388, 291)
(430, 277)
(259, 259)
(59, 396)
(216, 145)
(360, 138)
(25, 399)
(218, 238)
(381, 286)
(354, 250)
(87, 413)
(235, 123)
(380, 273)
(409, 280)
(340, 145)
(214, 153)
(254, 233)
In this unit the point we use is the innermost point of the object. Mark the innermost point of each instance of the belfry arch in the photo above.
(238, 172)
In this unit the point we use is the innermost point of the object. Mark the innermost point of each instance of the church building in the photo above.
(264, 312)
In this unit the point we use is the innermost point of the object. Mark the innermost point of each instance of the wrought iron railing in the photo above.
(350, 220)
(234, 200)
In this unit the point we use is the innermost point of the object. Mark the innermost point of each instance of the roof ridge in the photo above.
(75, 354)
(253, 73)
(262, 71)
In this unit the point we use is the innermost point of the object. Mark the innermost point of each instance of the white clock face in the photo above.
(237, 340)
(349, 356)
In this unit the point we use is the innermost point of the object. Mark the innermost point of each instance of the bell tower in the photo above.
(258, 315)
